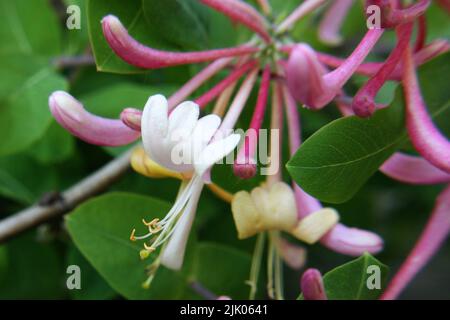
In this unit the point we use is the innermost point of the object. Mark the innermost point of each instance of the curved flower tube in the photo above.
(332, 21)
(426, 138)
(312, 285)
(71, 115)
(141, 56)
(200, 78)
(225, 83)
(430, 240)
(307, 78)
(414, 170)
(349, 241)
(243, 13)
(364, 101)
(430, 51)
(392, 16)
(245, 164)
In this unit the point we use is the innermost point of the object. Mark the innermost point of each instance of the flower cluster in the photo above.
(179, 144)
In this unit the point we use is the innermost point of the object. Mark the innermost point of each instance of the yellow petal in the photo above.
(313, 227)
(142, 164)
(277, 206)
(245, 214)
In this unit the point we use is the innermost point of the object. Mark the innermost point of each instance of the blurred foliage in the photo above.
(37, 156)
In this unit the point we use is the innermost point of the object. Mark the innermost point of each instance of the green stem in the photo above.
(256, 265)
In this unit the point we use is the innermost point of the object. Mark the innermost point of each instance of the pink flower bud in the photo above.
(141, 56)
(312, 285)
(71, 114)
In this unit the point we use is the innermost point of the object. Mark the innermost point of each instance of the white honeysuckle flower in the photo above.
(183, 143)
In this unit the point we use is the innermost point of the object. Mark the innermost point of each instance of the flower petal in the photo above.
(214, 152)
(173, 254)
(154, 129)
(71, 115)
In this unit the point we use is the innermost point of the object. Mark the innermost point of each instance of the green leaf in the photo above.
(171, 18)
(336, 161)
(25, 84)
(92, 284)
(21, 28)
(34, 270)
(350, 281)
(12, 188)
(54, 147)
(101, 229)
(131, 14)
(214, 263)
(339, 158)
(24, 179)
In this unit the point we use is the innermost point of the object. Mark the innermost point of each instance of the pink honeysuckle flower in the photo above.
(342, 239)
(428, 52)
(331, 22)
(245, 164)
(71, 114)
(413, 170)
(424, 135)
(364, 101)
(432, 237)
(312, 286)
(141, 56)
(392, 16)
(309, 81)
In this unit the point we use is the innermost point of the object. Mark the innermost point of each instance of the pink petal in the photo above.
(426, 138)
(141, 56)
(71, 114)
(414, 170)
(312, 285)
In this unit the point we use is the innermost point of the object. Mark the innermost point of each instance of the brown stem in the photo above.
(69, 199)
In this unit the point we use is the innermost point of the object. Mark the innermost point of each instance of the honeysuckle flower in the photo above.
(340, 238)
(274, 208)
(71, 115)
(180, 145)
(364, 101)
(145, 57)
(424, 135)
(245, 164)
(312, 286)
(180, 142)
(309, 81)
(413, 170)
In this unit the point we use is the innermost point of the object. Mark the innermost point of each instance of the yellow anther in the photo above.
(144, 254)
(151, 223)
(132, 237)
(150, 249)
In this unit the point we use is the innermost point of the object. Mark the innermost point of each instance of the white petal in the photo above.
(184, 117)
(173, 254)
(203, 132)
(154, 126)
(214, 152)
